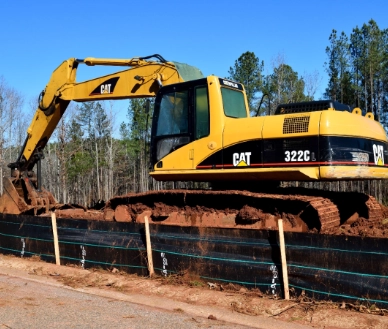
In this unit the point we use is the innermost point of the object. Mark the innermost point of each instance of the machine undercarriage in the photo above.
(302, 210)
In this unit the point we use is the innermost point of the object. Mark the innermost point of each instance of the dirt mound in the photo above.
(302, 210)
(364, 227)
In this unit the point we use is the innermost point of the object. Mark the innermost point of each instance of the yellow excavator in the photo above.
(202, 131)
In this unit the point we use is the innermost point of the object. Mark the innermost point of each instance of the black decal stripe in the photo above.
(328, 150)
(111, 81)
(292, 164)
(295, 164)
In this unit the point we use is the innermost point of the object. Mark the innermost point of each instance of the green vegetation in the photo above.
(358, 69)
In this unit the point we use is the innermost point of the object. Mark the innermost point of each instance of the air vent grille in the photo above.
(294, 125)
(312, 106)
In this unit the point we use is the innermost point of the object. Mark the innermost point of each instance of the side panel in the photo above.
(291, 148)
(265, 142)
(353, 158)
(291, 140)
(335, 123)
(291, 152)
(241, 145)
(322, 145)
(352, 147)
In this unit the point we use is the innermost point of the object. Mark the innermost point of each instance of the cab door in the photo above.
(208, 126)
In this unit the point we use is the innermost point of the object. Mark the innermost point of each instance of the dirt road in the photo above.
(35, 294)
(33, 304)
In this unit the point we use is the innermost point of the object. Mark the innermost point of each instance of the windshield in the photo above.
(234, 104)
(173, 114)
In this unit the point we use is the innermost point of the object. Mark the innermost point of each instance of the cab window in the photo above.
(234, 104)
(173, 115)
(202, 124)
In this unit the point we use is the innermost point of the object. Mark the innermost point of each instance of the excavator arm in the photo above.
(144, 78)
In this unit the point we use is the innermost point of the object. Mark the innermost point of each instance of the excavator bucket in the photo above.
(10, 201)
(20, 197)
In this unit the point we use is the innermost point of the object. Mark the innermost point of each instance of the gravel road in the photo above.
(29, 300)
(30, 304)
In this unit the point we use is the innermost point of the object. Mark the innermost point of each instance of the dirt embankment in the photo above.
(194, 291)
(326, 213)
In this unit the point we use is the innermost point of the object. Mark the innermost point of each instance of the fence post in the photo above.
(283, 258)
(149, 249)
(55, 235)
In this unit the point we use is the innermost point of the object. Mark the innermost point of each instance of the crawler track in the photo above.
(301, 210)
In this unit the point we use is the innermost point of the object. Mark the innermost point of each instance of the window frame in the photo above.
(224, 105)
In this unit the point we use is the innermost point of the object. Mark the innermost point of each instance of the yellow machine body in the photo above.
(300, 144)
(202, 131)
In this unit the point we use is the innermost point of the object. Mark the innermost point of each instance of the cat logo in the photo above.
(378, 153)
(242, 159)
(107, 87)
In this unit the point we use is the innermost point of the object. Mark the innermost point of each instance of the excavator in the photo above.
(202, 131)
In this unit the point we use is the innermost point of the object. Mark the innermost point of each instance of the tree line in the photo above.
(283, 85)
(357, 65)
(88, 159)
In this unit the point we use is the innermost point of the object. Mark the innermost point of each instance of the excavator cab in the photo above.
(189, 120)
(181, 115)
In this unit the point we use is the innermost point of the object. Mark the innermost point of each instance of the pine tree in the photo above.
(338, 68)
(248, 70)
(140, 130)
(286, 85)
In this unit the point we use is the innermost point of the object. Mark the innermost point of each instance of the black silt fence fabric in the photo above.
(338, 268)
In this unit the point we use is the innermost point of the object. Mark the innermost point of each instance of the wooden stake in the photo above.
(149, 249)
(283, 257)
(55, 234)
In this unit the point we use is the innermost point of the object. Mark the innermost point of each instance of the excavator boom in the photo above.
(144, 78)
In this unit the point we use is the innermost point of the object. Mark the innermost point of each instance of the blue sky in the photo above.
(38, 35)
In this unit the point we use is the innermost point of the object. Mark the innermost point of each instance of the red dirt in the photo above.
(313, 212)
